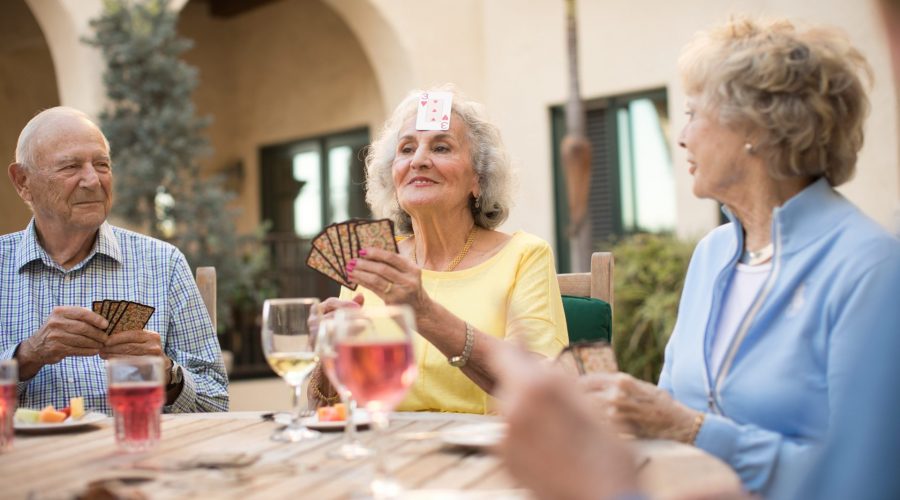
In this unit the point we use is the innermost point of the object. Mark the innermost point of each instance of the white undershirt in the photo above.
(745, 285)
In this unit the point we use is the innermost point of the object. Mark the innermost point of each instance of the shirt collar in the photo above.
(804, 217)
(30, 248)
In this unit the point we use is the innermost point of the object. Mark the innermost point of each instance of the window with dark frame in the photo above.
(632, 179)
(305, 185)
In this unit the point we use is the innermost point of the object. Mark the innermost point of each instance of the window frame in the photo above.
(611, 105)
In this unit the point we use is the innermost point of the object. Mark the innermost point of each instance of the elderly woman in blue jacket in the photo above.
(775, 302)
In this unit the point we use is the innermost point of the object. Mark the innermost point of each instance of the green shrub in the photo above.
(649, 276)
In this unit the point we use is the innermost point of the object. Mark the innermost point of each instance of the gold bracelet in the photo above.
(695, 429)
(314, 383)
(322, 397)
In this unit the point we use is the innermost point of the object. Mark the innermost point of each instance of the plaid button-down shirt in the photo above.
(123, 265)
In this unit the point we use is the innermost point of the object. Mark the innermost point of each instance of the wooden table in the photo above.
(61, 465)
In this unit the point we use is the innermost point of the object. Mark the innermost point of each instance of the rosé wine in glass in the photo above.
(9, 397)
(137, 407)
(376, 363)
(136, 396)
(377, 374)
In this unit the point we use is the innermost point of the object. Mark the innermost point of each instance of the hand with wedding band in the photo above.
(395, 279)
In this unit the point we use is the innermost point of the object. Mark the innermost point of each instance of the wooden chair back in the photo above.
(596, 284)
(206, 282)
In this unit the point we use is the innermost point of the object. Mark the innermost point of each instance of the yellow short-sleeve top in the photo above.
(512, 295)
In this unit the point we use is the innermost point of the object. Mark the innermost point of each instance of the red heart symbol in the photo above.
(435, 101)
(434, 111)
(424, 103)
(445, 118)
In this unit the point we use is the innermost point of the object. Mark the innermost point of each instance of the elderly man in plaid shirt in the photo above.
(69, 256)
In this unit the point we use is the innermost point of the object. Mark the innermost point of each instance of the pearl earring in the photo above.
(748, 148)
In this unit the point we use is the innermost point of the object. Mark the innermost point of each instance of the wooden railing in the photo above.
(292, 278)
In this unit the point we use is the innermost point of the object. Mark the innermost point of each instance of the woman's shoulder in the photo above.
(523, 244)
(528, 240)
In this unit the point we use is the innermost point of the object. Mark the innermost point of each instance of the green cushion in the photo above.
(588, 319)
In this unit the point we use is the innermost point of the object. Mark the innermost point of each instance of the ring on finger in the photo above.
(390, 285)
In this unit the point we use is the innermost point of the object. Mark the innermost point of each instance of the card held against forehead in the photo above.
(433, 111)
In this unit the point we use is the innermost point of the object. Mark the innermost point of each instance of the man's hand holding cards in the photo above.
(338, 244)
(123, 315)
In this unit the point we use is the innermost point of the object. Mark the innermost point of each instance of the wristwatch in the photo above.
(175, 375)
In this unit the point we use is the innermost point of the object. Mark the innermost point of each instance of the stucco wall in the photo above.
(629, 46)
(285, 71)
(298, 68)
(27, 85)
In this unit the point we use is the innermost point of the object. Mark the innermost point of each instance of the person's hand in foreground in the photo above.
(640, 408)
(556, 445)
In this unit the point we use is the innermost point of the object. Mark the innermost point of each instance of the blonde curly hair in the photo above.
(798, 92)
(496, 178)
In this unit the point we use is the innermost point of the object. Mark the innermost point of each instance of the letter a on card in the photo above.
(433, 111)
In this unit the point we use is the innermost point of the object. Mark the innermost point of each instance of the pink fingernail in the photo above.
(363, 252)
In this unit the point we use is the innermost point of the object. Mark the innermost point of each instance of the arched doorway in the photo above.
(294, 100)
(27, 85)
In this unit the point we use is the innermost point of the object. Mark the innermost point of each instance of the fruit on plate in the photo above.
(49, 415)
(27, 415)
(77, 407)
(336, 413)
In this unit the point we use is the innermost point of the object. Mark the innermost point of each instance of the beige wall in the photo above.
(299, 68)
(286, 71)
(27, 85)
(629, 46)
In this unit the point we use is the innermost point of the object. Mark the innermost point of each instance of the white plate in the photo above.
(361, 417)
(479, 436)
(89, 418)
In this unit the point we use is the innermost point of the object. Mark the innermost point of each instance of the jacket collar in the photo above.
(803, 218)
(30, 249)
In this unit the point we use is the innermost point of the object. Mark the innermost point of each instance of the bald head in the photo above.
(44, 125)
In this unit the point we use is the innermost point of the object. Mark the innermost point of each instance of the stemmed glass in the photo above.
(375, 362)
(326, 346)
(289, 347)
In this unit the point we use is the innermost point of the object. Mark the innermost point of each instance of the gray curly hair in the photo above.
(496, 178)
(801, 87)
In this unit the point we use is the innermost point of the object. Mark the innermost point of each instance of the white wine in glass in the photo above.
(289, 346)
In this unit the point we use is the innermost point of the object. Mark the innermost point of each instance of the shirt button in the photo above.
(68, 277)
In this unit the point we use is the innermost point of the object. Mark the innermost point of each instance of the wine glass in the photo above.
(375, 362)
(289, 347)
(326, 347)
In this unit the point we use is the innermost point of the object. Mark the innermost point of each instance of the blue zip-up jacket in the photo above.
(835, 280)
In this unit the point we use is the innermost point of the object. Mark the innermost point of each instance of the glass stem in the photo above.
(380, 421)
(298, 407)
(350, 428)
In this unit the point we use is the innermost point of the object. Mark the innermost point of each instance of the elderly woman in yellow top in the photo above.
(471, 286)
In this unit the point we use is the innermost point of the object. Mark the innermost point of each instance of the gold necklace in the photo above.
(459, 257)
